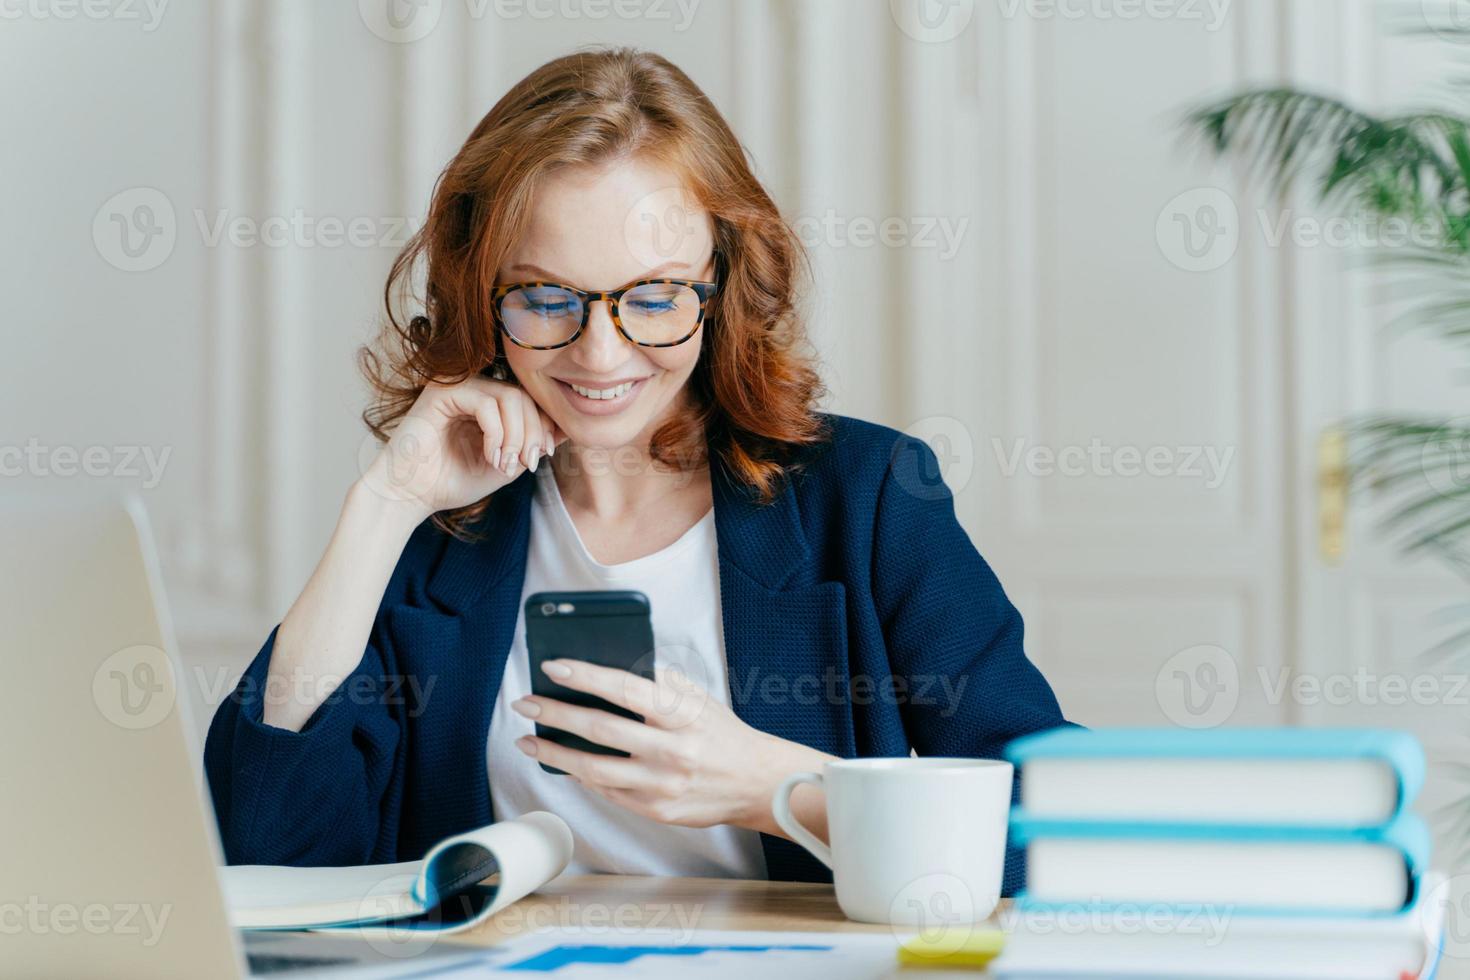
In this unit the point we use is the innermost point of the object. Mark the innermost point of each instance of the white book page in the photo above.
(1240, 874)
(1296, 792)
(262, 896)
(529, 851)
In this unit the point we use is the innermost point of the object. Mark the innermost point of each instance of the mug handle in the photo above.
(786, 820)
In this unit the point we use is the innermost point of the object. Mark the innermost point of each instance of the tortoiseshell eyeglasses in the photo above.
(649, 312)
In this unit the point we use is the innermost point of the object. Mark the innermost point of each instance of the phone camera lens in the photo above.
(548, 609)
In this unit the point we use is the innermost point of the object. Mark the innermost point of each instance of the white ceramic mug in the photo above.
(915, 842)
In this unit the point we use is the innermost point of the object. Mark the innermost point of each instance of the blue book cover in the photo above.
(1399, 750)
(1407, 833)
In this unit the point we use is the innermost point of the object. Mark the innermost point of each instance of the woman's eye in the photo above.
(549, 309)
(655, 305)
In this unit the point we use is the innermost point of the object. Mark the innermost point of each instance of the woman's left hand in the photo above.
(691, 761)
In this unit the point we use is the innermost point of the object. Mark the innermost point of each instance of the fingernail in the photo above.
(526, 744)
(534, 454)
(529, 709)
(555, 668)
(510, 463)
(495, 459)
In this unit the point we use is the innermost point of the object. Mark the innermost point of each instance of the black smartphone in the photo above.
(611, 629)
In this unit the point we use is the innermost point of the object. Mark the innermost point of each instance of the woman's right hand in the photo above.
(457, 444)
(460, 443)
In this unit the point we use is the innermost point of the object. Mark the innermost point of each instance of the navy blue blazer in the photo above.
(859, 620)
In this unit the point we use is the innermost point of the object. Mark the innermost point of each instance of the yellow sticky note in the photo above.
(953, 948)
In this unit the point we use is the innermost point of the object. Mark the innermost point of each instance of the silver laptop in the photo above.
(108, 851)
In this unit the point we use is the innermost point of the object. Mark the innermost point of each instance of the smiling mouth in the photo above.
(601, 400)
(603, 394)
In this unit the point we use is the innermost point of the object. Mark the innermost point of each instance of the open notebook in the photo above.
(460, 882)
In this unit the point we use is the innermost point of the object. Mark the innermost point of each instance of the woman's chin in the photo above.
(601, 435)
(631, 428)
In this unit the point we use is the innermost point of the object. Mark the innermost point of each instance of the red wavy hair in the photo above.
(753, 392)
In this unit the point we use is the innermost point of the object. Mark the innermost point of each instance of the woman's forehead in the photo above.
(615, 224)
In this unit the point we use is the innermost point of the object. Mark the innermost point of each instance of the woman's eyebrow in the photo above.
(536, 270)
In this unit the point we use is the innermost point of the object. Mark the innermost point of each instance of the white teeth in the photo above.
(603, 393)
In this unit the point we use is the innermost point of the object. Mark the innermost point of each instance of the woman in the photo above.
(554, 420)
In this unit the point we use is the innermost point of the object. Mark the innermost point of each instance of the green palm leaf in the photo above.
(1414, 167)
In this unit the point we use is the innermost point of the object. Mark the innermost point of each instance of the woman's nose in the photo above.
(601, 348)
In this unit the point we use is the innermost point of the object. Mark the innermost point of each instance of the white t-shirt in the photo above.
(683, 588)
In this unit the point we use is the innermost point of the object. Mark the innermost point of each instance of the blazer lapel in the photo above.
(785, 640)
(479, 583)
(785, 629)
(468, 570)
(461, 640)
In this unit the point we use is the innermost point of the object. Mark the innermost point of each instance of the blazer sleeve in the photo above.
(320, 796)
(949, 627)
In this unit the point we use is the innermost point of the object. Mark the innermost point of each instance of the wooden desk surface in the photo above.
(624, 903)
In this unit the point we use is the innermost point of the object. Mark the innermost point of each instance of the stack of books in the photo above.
(1285, 853)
